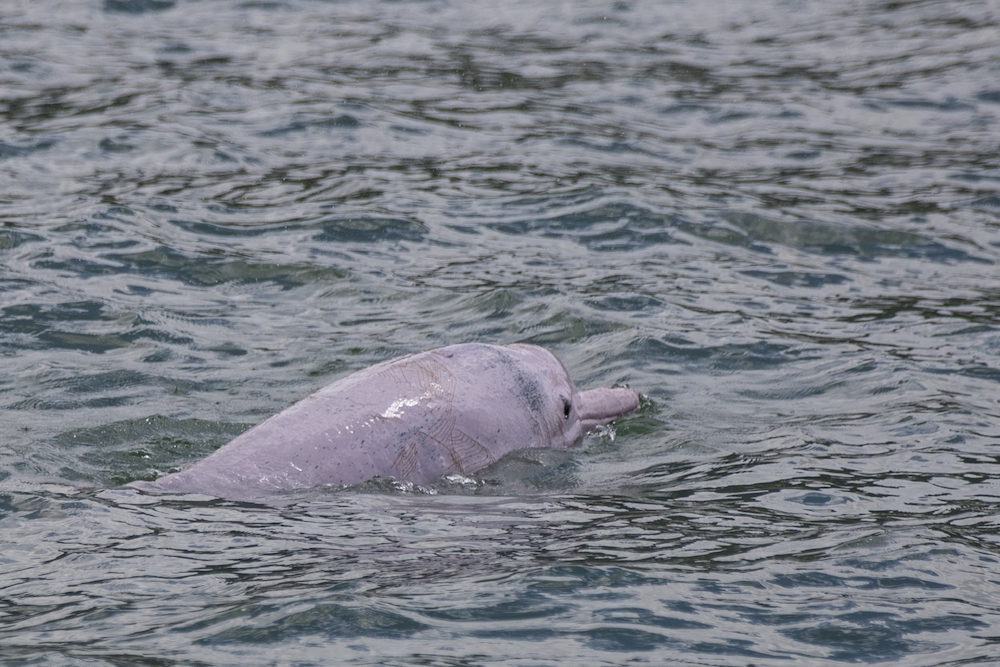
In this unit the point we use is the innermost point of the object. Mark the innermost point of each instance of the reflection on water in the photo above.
(780, 224)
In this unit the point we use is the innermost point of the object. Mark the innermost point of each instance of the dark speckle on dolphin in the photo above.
(456, 409)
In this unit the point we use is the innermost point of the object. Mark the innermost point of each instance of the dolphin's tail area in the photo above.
(601, 405)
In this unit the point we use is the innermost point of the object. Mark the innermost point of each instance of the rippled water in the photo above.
(778, 221)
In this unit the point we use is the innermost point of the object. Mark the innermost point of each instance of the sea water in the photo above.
(778, 221)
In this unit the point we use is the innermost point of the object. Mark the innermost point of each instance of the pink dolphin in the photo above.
(456, 409)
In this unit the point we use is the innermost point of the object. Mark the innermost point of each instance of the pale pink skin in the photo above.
(456, 409)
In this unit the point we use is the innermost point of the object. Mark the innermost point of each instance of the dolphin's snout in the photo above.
(601, 405)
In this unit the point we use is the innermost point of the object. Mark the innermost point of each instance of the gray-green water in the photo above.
(778, 221)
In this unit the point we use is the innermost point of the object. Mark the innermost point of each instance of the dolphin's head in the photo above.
(565, 413)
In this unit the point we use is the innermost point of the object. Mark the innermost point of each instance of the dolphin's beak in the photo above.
(601, 405)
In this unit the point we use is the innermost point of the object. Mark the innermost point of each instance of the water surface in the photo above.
(778, 221)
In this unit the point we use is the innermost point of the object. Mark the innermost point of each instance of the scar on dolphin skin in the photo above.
(427, 372)
(406, 460)
(420, 416)
(467, 454)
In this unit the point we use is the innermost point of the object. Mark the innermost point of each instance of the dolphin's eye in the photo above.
(567, 406)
